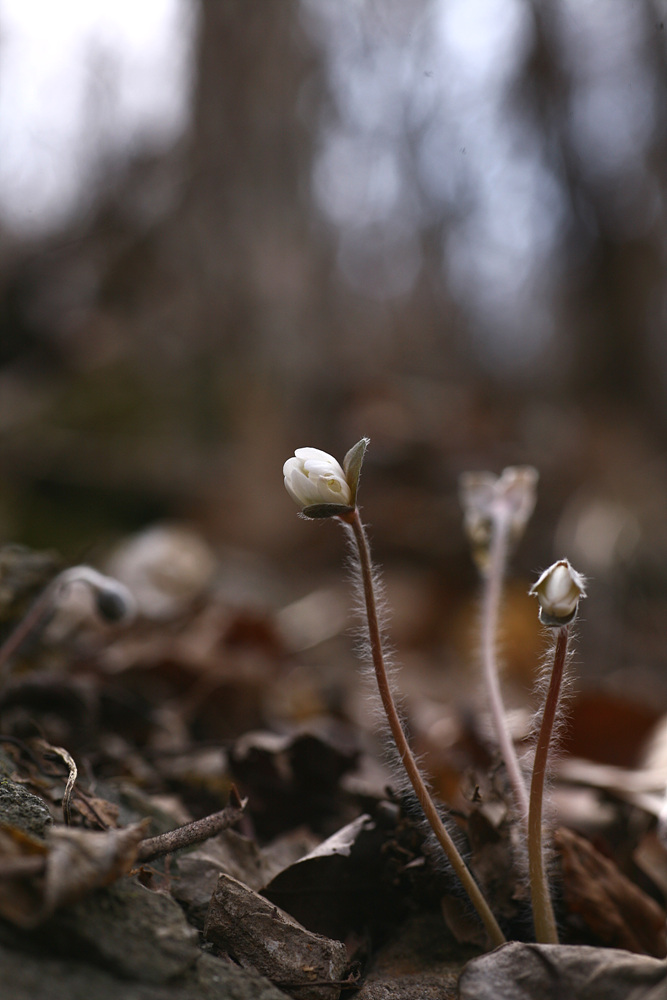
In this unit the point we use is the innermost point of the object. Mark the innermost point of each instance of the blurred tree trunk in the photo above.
(250, 161)
(612, 309)
(258, 271)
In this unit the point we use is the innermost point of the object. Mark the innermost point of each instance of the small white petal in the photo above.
(315, 453)
(290, 465)
(299, 487)
(318, 467)
(331, 490)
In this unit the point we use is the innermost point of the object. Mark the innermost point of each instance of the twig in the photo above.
(150, 848)
(192, 833)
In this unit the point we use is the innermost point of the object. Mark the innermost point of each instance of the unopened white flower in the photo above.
(315, 477)
(559, 591)
(488, 500)
(114, 602)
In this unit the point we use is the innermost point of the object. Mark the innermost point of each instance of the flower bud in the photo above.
(486, 499)
(559, 590)
(113, 601)
(314, 479)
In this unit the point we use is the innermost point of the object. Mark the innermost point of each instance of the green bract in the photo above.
(352, 465)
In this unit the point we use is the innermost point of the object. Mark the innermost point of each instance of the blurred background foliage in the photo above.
(239, 228)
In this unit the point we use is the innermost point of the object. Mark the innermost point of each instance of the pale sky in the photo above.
(424, 98)
(83, 81)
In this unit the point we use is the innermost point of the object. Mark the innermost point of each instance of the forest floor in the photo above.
(299, 865)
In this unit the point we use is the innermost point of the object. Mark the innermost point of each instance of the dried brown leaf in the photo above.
(96, 812)
(36, 878)
(617, 911)
(22, 860)
(82, 860)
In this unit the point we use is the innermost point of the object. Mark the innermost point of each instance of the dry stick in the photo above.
(191, 833)
(405, 753)
(543, 914)
(150, 848)
(493, 582)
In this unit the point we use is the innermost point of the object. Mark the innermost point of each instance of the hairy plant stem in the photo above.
(543, 914)
(405, 753)
(493, 583)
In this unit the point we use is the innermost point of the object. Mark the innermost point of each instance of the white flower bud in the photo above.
(113, 601)
(487, 499)
(315, 477)
(559, 591)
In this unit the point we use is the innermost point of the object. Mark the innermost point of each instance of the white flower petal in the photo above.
(299, 487)
(315, 453)
(291, 463)
(331, 490)
(317, 467)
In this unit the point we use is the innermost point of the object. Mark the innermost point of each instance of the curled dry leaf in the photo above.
(36, 878)
(328, 887)
(196, 873)
(22, 863)
(518, 971)
(261, 936)
(96, 813)
(290, 779)
(67, 758)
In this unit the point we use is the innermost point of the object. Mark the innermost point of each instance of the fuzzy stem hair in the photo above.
(543, 913)
(493, 583)
(398, 734)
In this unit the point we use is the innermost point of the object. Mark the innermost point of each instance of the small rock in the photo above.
(21, 809)
(36, 977)
(225, 981)
(138, 933)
